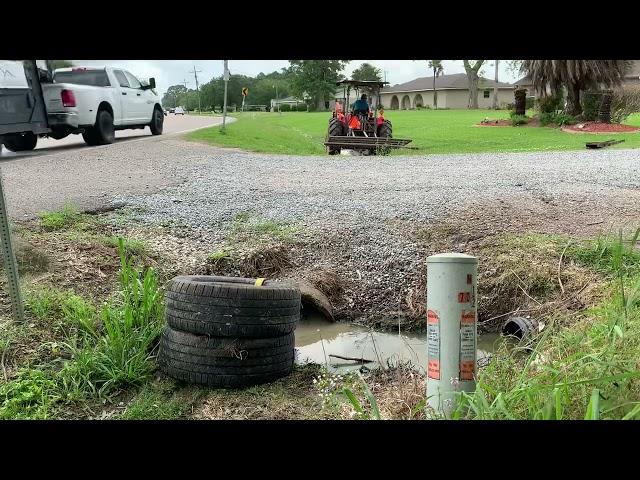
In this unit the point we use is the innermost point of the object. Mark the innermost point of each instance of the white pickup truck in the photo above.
(94, 102)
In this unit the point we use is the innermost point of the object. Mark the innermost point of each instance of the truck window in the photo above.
(133, 81)
(121, 78)
(96, 78)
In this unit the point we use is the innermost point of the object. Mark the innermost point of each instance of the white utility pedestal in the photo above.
(451, 328)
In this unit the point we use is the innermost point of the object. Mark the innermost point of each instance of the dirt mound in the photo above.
(597, 127)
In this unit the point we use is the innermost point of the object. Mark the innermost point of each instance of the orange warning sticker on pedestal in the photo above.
(467, 344)
(467, 369)
(433, 345)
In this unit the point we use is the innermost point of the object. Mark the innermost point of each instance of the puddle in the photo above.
(354, 341)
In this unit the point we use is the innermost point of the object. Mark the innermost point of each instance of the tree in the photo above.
(574, 75)
(473, 78)
(316, 79)
(60, 64)
(173, 95)
(365, 72)
(438, 69)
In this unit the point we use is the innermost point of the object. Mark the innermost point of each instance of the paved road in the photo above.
(172, 124)
(67, 170)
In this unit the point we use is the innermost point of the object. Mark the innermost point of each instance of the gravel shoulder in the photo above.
(364, 218)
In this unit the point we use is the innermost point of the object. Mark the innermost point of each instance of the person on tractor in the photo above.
(361, 107)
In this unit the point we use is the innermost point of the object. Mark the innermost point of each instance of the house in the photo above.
(453, 92)
(526, 83)
(291, 101)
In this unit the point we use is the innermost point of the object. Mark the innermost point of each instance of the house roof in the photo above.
(524, 81)
(456, 81)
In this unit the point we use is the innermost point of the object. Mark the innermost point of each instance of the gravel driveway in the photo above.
(359, 214)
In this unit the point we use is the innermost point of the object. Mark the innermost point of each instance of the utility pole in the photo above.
(186, 94)
(226, 81)
(195, 74)
(495, 88)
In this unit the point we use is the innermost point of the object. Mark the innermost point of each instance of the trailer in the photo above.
(23, 115)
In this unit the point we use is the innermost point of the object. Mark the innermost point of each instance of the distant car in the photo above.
(172, 110)
(179, 111)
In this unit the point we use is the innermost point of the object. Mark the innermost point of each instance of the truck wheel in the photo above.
(103, 132)
(20, 142)
(157, 121)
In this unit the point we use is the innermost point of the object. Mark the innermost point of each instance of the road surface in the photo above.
(68, 171)
(173, 124)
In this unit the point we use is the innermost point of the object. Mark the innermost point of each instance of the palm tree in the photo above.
(575, 76)
(438, 69)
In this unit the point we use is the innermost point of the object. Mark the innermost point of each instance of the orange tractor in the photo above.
(365, 131)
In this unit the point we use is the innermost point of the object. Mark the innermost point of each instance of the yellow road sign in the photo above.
(245, 91)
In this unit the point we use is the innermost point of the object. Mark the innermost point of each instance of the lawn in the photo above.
(442, 131)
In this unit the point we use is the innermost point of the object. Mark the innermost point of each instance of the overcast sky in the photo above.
(172, 72)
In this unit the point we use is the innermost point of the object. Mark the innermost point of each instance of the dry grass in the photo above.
(328, 282)
(253, 261)
(399, 392)
(289, 398)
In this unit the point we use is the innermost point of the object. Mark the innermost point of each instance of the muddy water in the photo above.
(348, 340)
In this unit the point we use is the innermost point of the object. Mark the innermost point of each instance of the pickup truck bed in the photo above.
(95, 102)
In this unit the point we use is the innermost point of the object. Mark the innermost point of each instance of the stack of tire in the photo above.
(229, 332)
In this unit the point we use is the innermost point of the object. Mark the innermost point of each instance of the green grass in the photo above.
(132, 246)
(587, 370)
(105, 351)
(163, 400)
(432, 131)
(244, 228)
(57, 220)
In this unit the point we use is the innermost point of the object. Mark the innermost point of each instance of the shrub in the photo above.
(551, 104)
(625, 102)
(557, 119)
(285, 108)
(518, 119)
(530, 102)
(590, 105)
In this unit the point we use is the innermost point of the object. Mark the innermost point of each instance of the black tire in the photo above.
(232, 307)
(157, 122)
(385, 130)
(225, 362)
(103, 132)
(20, 142)
(335, 129)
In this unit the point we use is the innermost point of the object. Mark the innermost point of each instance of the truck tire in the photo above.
(157, 122)
(20, 142)
(103, 132)
(232, 307)
(225, 362)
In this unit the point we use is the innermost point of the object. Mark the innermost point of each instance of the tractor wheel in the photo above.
(384, 131)
(335, 130)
